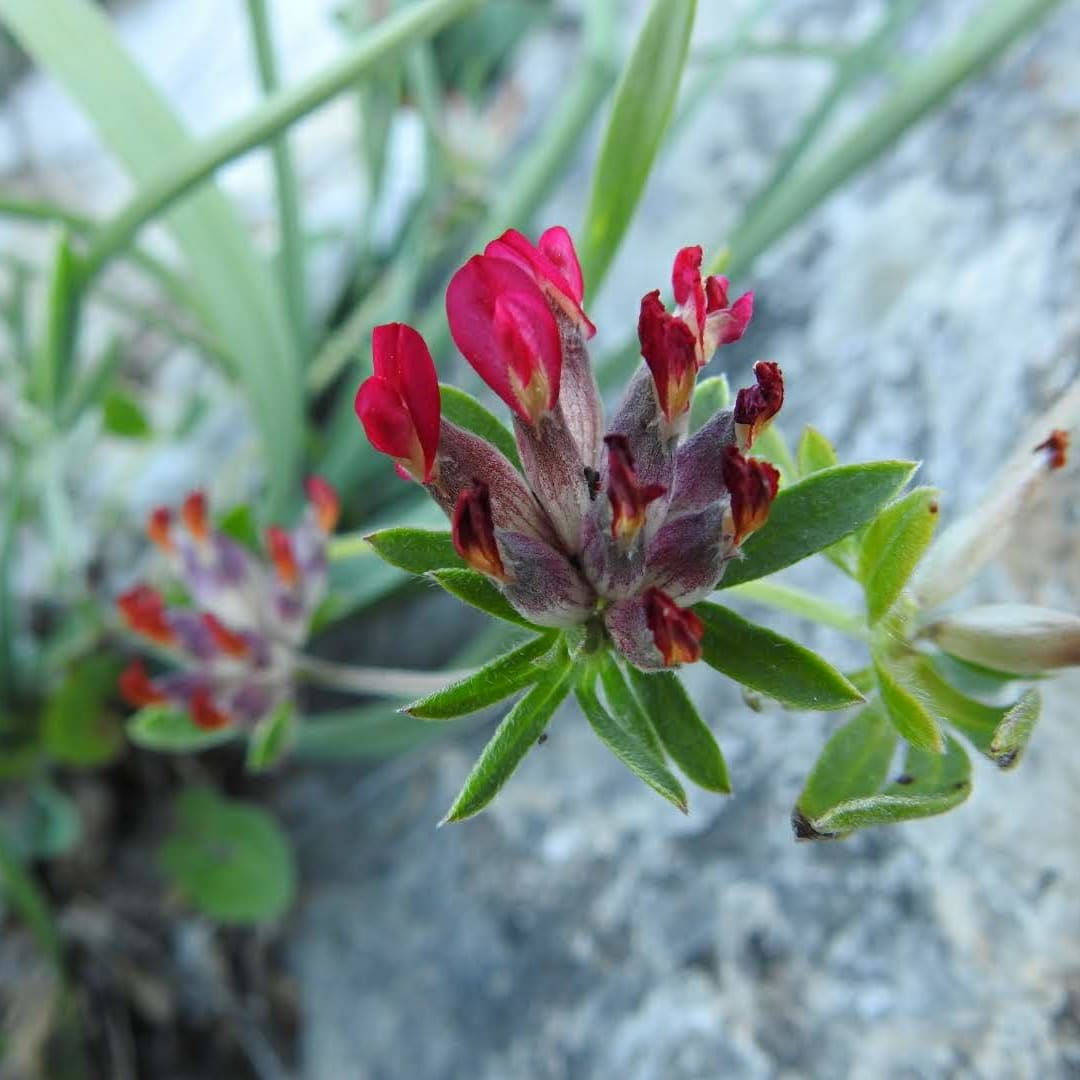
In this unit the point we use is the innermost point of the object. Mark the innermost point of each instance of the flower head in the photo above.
(235, 645)
(399, 405)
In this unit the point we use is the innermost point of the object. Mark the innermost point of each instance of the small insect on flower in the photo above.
(619, 531)
(235, 646)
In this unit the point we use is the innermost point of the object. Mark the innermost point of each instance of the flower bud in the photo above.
(205, 713)
(755, 406)
(670, 349)
(193, 515)
(159, 529)
(137, 689)
(144, 611)
(752, 486)
(629, 498)
(503, 326)
(280, 548)
(676, 631)
(1015, 638)
(399, 405)
(704, 306)
(323, 500)
(473, 531)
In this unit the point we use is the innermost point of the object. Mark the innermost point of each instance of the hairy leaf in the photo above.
(464, 410)
(417, 551)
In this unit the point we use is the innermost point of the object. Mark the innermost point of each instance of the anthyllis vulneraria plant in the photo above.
(236, 639)
(604, 541)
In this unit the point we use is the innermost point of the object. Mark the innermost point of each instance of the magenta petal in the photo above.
(387, 422)
(484, 286)
(687, 286)
(557, 245)
(419, 389)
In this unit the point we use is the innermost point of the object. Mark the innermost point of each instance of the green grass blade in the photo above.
(644, 103)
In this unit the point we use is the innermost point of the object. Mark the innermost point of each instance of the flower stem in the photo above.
(384, 682)
(805, 605)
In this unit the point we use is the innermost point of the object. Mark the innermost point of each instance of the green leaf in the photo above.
(237, 296)
(502, 677)
(625, 707)
(644, 102)
(123, 417)
(239, 524)
(464, 410)
(892, 546)
(710, 396)
(906, 708)
(230, 859)
(159, 727)
(480, 592)
(78, 726)
(271, 739)
(513, 738)
(770, 663)
(685, 736)
(771, 445)
(636, 755)
(853, 766)
(815, 452)
(19, 889)
(417, 551)
(931, 783)
(816, 512)
(999, 732)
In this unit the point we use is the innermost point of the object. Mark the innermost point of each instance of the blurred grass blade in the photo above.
(512, 740)
(853, 765)
(684, 734)
(644, 103)
(770, 663)
(990, 32)
(816, 512)
(635, 754)
(237, 297)
(19, 891)
(504, 676)
(52, 363)
(894, 543)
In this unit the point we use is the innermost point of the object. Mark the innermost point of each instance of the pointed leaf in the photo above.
(502, 677)
(686, 737)
(770, 663)
(272, 737)
(644, 102)
(464, 410)
(710, 396)
(636, 755)
(816, 512)
(123, 417)
(480, 592)
(815, 452)
(853, 765)
(416, 550)
(906, 708)
(1014, 731)
(931, 783)
(78, 726)
(625, 707)
(892, 546)
(159, 727)
(513, 739)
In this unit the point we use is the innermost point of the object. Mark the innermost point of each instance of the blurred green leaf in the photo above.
(643, 106)
(710, 396)
(635, 754)
(906, 708)
(230, 859)
(495, 681)
(23, 894)
(852, 767)
(513, 739)
(816, 512)
(931, 783)
(52, 363)
(815, 452)
(625, 707)
(480, 592)
(91, 388)
(78, 726)
(417, 551)
(770, 663)
(685, 736)
(50, 824)
(271, 739)
(239, 524)
(892, 546)
(159, 727)
(999, 732)
(123, 417)
(464, 410)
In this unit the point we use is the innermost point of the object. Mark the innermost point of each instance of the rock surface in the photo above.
(581, 928)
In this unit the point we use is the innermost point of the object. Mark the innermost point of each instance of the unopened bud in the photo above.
(1015, 638)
